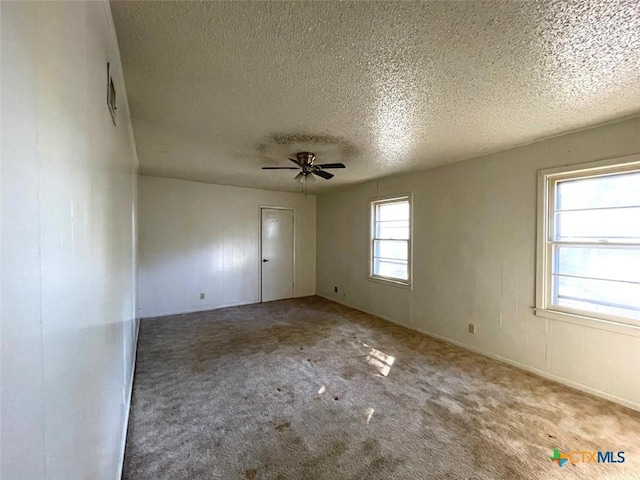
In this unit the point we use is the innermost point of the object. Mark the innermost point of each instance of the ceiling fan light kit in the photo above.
(305, 161)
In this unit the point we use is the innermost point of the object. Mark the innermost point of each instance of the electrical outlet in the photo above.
(472, 328)
(335, 289)
(202, 296)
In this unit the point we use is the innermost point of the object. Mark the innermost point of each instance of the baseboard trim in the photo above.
(536, 371)
(195, 310)
(208, 309)
(371, 313)
(127, 408)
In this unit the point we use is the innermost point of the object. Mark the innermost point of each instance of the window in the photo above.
(589, 241)
(391, 240)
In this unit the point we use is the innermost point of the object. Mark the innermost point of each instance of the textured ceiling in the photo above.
(219, 89)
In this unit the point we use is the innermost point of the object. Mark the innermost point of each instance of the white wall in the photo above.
(474, 261)
(68, 264)
(202, 238)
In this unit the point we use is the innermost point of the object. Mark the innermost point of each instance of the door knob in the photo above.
(264, 260)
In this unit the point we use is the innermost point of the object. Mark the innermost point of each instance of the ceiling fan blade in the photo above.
(296, 162)
(331, 165)
(279, 168)
(323, 174)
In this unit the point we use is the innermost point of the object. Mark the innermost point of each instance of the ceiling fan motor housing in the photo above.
(306, 160)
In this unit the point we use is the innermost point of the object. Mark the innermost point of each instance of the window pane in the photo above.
(608, 263)
(392, 211)
(391, 239)
(397, 229)
(613, 298)
(617, 225)
(391, 268)
(391, 249)
(607, 191)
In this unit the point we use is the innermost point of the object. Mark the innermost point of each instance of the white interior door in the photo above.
(277, 254)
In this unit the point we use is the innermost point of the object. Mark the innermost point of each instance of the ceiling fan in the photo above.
(305, 162)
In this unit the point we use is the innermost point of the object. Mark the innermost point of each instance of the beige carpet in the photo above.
(309, 389)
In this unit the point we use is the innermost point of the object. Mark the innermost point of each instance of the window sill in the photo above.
(590, 322)
(391, 282)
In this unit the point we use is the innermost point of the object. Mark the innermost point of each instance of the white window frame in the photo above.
(390, 280)
(547, 180)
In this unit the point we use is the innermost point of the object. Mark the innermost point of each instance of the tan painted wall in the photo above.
(474, 261)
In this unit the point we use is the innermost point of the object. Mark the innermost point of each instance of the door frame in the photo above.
(293, 253)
